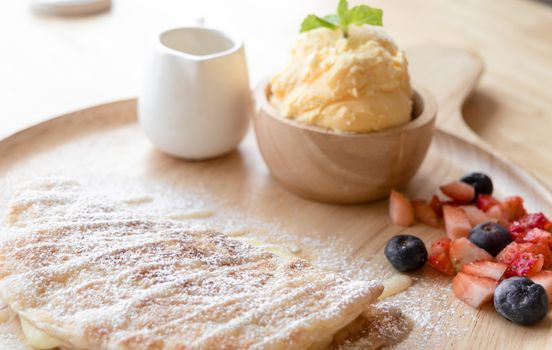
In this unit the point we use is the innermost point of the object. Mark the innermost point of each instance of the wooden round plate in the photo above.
(106, 141)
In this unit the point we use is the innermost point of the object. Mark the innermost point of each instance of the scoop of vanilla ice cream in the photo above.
(354, 84)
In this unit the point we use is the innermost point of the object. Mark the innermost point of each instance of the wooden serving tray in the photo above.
(105, 141)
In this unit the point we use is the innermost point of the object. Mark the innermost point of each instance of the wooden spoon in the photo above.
(450, 74)
(338, 167)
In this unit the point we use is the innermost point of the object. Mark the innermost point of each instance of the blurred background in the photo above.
(50, 65)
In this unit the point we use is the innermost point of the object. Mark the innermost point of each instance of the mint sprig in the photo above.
(345, 17)
(313, 22)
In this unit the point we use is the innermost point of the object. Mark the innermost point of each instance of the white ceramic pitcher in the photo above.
(196, 100)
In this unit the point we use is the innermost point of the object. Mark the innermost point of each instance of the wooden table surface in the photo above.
(51, 65)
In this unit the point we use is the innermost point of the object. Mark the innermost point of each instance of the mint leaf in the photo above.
(343, 14)
(334, 19)
(345, 17)
(363, 14)
(313, 22)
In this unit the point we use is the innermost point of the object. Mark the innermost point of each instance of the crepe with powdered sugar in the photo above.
(80, 268)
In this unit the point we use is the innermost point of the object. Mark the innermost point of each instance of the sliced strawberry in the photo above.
(514, 249)
(473, 290)
(543, 250)
(400, 209)
(495, 213)
(487, 269)
(437, 206)
(425, 213)
(439, 256)
(486, 201)
(511, 252)
(457, 223)
(513, 209)
(463, 252)
(476, 215)
(519, 228)
(459, 191)
(544, 278)
(525, 264)
(452, 203)
(536, 235)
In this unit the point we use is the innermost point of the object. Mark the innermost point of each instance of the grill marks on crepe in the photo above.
(83, 270)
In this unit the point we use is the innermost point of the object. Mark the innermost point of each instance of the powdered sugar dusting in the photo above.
(9, 338)
(426, 303)
(187, 211)
(98, 273)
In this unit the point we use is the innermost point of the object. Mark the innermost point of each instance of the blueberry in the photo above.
(521, 301)
(490, 236)
(406, 253)
(480, 182)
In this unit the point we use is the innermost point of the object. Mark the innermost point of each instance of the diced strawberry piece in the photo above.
(543, 250)
(400, 209)
(544, 278)
(511, 252)
(476, 215)
(437, 206)
(473, 290)
(459, 191)
(463, 252)
(536, 220)
(452, 203)
(525, 264)
(519, 228)
(425, 213)
(495, 212)
(536, 235)
(513, 208)
(439, 256)
(487, 269)
(457, 223)
(486, 201)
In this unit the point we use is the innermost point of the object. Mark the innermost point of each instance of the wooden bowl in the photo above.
(343, 168)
